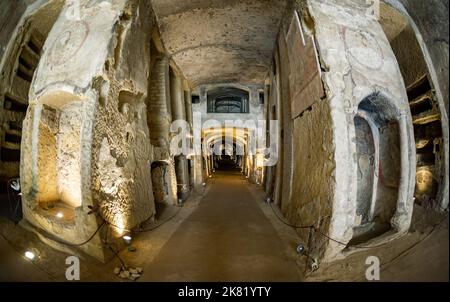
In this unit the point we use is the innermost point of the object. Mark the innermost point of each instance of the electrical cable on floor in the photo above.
(102, 224)
(51, 237)
(334, 240)
(110, 224)
(109, 245)
(115, 253)
(288, 224)
(149, 229)
(82, 243)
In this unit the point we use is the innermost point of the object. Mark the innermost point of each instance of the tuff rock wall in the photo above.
(356, 66)
(73, 157)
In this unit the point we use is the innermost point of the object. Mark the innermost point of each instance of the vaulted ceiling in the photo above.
(220, 41)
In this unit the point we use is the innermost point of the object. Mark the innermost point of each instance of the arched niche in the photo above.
(58, 184)
(378, 139)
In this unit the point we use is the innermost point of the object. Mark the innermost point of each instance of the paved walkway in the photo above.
(227, 238)
(15, 268)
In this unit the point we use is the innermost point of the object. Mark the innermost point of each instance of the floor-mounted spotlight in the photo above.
(30, 255)
(127, 239)
(301, 250)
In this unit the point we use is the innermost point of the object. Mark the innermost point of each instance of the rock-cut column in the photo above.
(159, 119)
(179, 113)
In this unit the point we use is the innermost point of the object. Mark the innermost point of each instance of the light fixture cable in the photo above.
(337, 241)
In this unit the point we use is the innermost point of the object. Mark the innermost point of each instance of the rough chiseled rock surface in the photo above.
(96, 162)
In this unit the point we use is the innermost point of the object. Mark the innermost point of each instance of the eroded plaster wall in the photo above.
(100, 165)
(314, 172)
(126, 141)
(356, 62)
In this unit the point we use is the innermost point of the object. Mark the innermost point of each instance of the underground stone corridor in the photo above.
(204, 244)
(199, 242)
(227, 237)
(223, 140)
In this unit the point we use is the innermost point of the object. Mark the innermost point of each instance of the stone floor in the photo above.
(228, 234)
(227, 238)
(422, 255)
